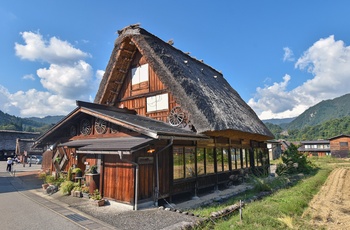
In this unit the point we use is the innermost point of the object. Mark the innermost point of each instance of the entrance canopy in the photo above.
(108, 145)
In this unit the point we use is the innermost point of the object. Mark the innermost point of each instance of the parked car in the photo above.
(34, 159)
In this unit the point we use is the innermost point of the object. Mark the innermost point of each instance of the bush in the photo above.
(76, 170)
(42, 176)
(96, 195)
(77, 188)
(85, 189)
(69, 174)
(293, 162)
(67, 187)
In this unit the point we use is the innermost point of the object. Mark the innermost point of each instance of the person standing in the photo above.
(9, 164)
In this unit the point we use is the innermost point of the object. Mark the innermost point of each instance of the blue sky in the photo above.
(280, 56)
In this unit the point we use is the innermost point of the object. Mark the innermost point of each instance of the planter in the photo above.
(85, 195)
(92, 181)
(99, 203)
(77, 194)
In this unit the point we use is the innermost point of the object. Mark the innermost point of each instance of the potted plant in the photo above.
(92, 179)
(97, 198)
(85, 191)
(93, 169)
(78, 172)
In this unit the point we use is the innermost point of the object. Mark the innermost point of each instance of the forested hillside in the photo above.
(328, 129)
(322, 112)
(10, 122)
(322, 121)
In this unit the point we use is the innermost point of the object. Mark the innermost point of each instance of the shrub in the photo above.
(50, 179)
(85, 189)
(42, 176)
(293, 162)
(96, 195)
(77, 188)
(69, 174)
(66, 187)
(76, 170)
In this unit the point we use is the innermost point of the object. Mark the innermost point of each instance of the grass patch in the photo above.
(281, 210)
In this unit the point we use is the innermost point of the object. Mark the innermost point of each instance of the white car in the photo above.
(34, 159)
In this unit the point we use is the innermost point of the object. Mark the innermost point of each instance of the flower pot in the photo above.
(99, 203)
(77, 194)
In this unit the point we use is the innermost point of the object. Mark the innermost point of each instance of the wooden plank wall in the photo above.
(134, 97)
(118, 181)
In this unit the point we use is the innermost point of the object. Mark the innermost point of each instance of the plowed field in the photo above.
(330, 208)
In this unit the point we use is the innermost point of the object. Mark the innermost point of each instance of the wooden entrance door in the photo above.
(118, 179)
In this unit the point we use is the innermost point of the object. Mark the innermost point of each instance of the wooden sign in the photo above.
(145, 160)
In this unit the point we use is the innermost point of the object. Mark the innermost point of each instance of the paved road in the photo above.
(23, 209)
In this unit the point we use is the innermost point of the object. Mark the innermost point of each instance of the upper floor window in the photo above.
(343, 144)
(139, 74)
(158, 102)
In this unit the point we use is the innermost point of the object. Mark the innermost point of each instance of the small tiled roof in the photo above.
(109, 144)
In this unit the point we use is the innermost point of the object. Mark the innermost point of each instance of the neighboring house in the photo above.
(340, 146)
(8, 141)
(24, 149)
(337, 146)
(275, 149)
(315, 148)
(162, 124)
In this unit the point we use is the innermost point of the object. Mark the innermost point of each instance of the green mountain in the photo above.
(326, 130)
(324, 111)
(282, 122)
(47, 120)
(33, 124)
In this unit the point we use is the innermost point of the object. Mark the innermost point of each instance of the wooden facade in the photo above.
(153, 131)
(340, 146)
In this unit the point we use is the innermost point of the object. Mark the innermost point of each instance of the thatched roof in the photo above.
(201, 90)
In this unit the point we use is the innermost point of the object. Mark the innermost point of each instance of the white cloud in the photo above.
(52, 51)
(99, 75)
(66, 78)
(41, 104)
(67, 81)
(288, 54)
(328, 61)
(29, 77)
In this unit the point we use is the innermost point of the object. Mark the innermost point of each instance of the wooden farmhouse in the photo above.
(340, 146)
(162, 124)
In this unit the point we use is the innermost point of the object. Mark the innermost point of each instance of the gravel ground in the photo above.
(122, 216)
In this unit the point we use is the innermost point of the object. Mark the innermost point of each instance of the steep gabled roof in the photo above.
(201, 90)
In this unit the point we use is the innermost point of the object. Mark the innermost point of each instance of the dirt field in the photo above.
(330, 208)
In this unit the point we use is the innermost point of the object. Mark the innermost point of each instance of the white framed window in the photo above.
(139, 74)
(158, 102)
